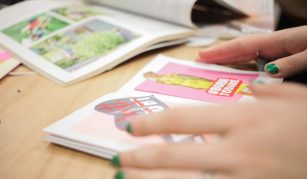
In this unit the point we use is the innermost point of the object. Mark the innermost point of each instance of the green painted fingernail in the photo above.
(119, 175)
(116, 161)
(129, 128)
(272, 68)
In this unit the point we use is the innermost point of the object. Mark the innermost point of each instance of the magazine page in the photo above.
(190, 82)
(175, 11)
(182, 12)
(261, 14)
(215, 12)
(261, 19)
(99, 127)
(69, 41)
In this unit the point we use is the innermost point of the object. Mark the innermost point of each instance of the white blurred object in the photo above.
(201, 42)
(262, 19)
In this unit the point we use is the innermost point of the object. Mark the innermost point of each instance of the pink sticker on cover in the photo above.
(197, 84)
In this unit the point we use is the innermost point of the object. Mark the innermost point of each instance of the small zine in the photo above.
(99, 127)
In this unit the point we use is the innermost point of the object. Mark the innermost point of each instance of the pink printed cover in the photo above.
(221, 81)
(103, 126)
(109, 119)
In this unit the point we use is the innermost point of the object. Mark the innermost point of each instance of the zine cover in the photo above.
(195, 81)
(102, 124)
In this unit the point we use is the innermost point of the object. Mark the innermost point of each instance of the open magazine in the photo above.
(98, 128)
(70, 40)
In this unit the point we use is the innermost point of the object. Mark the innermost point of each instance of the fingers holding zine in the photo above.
(249, 150)
(255, 139)
(184, 121)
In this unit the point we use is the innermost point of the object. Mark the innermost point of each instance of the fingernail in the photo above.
(272, 68)
(116, 161)
(119, 175)
(129, 128)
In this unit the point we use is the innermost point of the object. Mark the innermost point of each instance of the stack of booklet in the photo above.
(69, 41)
(98, 128)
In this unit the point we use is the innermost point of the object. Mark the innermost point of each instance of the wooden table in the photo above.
(30, 103)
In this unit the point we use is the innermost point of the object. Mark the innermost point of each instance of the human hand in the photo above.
(263, 139)
(286, 49)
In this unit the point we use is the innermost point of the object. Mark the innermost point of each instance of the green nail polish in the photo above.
(119, 175)
(116, 161)
(129, 128)
(272, 68)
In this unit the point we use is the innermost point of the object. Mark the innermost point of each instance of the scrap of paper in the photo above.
(7, 63)
(4, 56)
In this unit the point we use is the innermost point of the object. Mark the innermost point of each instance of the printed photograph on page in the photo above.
(188, 82)
(79, 12)
(78, 46)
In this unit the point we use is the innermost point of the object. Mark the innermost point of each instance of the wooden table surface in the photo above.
(30, 103)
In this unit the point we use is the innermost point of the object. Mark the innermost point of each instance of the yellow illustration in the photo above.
(197, 83)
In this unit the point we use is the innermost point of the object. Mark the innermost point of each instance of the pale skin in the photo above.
(262, 139)
(285, 48)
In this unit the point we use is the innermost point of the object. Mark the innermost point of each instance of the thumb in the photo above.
(287, 66)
